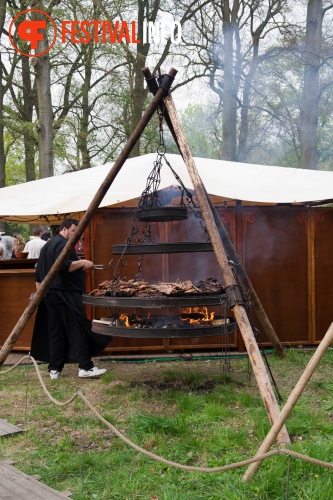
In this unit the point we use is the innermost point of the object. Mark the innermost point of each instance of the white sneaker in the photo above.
(93, 372)
(55, 374)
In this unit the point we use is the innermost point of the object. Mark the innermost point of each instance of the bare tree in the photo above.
(308, 127)
(233, 63)
(2, 93)
(42, 71)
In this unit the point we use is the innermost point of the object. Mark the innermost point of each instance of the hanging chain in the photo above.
(189, 198)
(149, 197)
(149, 200)
(122, 262)
(184, 191)
(225, 364)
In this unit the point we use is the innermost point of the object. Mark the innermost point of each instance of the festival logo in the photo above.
(44, 28)
(31, 31)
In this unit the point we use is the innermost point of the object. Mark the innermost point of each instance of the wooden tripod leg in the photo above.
(94, 204)
(291, 401)
(230, 250)
(257, 362)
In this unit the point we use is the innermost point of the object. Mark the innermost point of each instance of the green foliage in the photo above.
(202, 128)
(22, 229)
(15, 167)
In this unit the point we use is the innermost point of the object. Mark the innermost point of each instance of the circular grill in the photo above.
(196, 300)
(165, 332)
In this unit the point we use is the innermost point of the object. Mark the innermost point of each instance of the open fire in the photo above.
(189, 318)
(140, 299)
(197, 315)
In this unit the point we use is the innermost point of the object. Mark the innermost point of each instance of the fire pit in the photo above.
(172, 326)
(191, 299)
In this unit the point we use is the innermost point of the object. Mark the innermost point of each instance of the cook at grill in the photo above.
(70, 338)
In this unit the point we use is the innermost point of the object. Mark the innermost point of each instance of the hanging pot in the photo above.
(163, 214)
(152, 248)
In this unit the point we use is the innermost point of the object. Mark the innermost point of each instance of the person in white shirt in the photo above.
(35, 245)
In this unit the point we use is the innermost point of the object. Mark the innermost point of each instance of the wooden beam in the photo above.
(94, 204)
(257, 362)
(291, 401)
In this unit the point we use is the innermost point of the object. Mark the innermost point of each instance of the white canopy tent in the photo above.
(72, 193)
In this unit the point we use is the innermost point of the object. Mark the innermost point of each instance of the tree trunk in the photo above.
(28, 137)
(310, 98)
(139, 93)
(42, 69)
(229, 103)
(2, 127)
(244, 118)
(82, 140)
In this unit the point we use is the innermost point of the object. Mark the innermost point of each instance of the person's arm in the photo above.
(80, 264)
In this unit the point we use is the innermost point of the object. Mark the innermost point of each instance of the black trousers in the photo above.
(66, 333)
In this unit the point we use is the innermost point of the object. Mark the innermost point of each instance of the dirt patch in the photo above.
(179, 385)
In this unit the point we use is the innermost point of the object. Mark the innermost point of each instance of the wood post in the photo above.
(257, 362)
(291, 401)
(28, 312)
(227, 243)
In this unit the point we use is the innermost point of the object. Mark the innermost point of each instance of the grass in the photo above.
(188, 412)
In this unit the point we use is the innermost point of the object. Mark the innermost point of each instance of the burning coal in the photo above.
(189, 318)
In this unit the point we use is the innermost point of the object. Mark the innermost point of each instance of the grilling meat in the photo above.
(136, 288)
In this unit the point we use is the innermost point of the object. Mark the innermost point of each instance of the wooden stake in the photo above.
(28, 312)
(257, 362)
(227, 243)
(291, 401)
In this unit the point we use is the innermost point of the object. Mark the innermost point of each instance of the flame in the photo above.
(208, 316)
(124, 317)
(203, 310)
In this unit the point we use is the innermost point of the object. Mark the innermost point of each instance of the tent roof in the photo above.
(72, 193)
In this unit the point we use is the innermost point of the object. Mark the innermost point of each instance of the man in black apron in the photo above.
(70, 338)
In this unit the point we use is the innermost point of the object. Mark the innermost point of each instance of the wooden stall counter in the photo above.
(17, 283)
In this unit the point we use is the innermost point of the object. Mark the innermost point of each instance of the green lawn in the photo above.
(189, 412)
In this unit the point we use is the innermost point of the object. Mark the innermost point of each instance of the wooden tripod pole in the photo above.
(227, 243)
(257, 362)
(94, 204)
(290, 403)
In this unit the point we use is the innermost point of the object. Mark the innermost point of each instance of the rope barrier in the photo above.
(80, 394)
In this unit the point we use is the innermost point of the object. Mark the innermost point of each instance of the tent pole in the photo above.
(230, 249)
(290, 403)
(238, 308)
(94, 204)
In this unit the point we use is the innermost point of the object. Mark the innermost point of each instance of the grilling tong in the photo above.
(100, 267)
